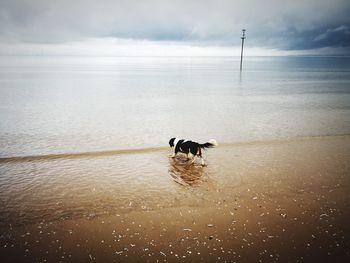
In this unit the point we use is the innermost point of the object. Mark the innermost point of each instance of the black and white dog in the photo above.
(192, 149)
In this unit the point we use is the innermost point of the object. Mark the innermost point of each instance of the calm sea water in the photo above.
(60, 105)
(78, 104)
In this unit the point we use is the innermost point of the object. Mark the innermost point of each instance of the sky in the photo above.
(174, 27)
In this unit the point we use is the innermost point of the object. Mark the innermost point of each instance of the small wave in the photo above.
(48, 157)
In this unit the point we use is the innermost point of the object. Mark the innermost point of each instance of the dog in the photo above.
(192, 149)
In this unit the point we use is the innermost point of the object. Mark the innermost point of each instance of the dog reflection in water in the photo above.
(183, 172)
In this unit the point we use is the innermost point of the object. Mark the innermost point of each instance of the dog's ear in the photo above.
(171, 142)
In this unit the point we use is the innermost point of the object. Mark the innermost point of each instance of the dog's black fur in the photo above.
(192, 149)
(187, 147)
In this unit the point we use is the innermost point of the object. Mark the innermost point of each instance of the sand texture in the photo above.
(278, 201)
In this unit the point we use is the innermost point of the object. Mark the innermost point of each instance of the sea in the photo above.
(84, 135)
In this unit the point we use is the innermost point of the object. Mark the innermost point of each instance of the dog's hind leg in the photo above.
(200, 156)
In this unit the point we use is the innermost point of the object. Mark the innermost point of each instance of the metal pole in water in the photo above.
(243, 37)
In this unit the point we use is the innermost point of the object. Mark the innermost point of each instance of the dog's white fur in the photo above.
(190, 155)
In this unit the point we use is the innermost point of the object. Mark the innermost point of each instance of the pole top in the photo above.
(243, 34)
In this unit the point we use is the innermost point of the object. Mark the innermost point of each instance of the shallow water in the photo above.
(85, 136)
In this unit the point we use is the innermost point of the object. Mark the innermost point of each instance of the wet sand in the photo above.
(278, 201)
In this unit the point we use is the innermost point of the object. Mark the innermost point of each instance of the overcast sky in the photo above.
(195, 25)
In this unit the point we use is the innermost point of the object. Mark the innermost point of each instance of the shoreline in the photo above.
(283, 202)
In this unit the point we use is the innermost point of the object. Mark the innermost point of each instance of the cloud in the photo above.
(334, 36)
(343, 29)
(272, 24)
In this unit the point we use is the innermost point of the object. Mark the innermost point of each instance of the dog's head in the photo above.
(171, 142)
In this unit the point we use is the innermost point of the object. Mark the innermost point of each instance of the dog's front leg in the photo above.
(193, 159)
(172, 155)
(189, 156)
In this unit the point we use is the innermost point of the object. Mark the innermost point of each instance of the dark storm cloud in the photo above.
(288, 25)
(337, 36)
(325, 36)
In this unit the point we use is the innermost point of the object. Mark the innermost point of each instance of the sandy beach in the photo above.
(269, 201)
(91, 93)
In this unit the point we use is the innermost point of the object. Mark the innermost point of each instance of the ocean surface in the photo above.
(83, 136)
(79, 104)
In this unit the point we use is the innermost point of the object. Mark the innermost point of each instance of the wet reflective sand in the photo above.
(272, 201)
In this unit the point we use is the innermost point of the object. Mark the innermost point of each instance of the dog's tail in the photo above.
(210, 144)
